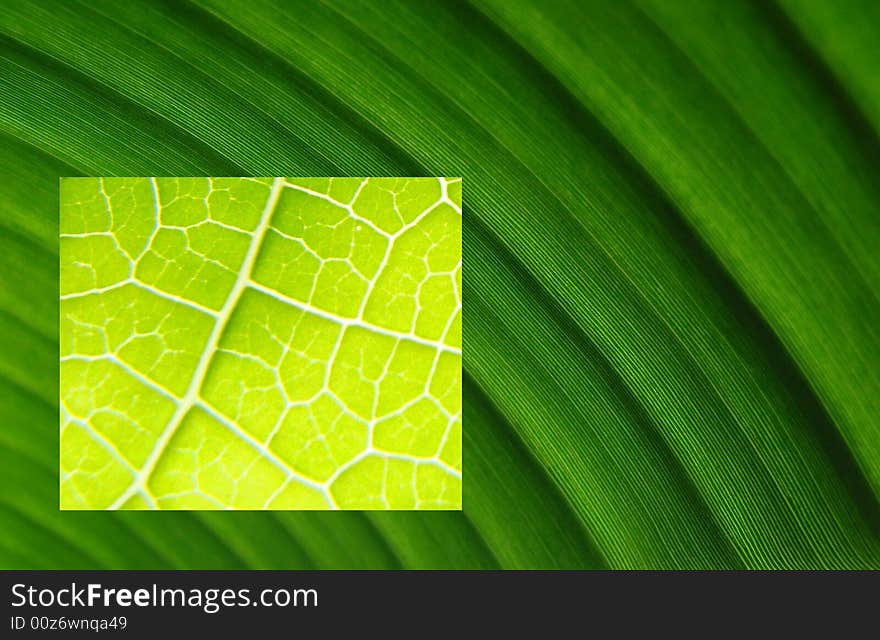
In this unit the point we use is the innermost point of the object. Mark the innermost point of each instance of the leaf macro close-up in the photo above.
(260, 343)
(667, 211)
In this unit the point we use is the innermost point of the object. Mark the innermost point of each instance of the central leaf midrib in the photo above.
(191, 397)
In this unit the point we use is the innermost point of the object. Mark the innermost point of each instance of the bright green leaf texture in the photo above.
(259, 343)
(671, 351)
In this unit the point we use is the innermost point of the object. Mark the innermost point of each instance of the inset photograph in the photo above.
(261, 343)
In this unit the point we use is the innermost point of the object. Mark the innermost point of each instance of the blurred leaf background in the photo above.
(672, 229)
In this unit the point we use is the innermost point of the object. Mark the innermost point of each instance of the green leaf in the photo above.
(671, 356)
(260, 344)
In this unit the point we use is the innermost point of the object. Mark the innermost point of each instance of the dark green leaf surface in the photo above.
(672, 225)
